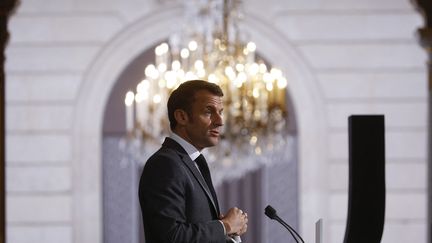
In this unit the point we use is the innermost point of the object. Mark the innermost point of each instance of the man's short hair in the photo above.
(184, 96)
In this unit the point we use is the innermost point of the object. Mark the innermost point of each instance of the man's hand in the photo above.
(235, 221)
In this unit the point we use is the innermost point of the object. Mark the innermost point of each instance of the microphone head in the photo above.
(270, 212)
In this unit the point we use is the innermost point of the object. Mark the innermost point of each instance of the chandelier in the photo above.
(211, 47)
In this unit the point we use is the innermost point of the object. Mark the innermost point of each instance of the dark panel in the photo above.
(366, 203)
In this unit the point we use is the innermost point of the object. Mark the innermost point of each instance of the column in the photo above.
(425, 36)
(6, 7)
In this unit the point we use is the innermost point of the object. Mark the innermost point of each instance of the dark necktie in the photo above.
(205, 172)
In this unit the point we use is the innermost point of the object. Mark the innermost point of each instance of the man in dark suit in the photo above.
(178, 201)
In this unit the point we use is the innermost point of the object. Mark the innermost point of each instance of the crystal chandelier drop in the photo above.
(211, 47)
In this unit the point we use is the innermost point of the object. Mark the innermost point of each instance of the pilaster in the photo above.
(6, 7)
(425, 38)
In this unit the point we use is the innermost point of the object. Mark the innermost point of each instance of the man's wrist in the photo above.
(226, 226)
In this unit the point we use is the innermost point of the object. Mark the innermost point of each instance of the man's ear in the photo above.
(181, 117)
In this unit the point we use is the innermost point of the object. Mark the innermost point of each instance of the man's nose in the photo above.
(218, 119)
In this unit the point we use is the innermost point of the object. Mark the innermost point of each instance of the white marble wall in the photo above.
(363, 56)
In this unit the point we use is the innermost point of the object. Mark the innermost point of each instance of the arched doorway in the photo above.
(277, 184)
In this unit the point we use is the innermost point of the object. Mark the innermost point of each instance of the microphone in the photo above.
(270, 212)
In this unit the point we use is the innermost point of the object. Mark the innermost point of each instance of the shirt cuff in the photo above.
(236, 239)
(223, 226)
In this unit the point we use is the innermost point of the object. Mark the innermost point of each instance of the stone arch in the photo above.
(141, 35)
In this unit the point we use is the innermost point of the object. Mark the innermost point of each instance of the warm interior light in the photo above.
(175, 65)
(254, 100)
(193, 45)
(251, 46)
(282, 83)
(157, 99)
(130, 96)
(184, 53)
(199, 64)
(212, 78)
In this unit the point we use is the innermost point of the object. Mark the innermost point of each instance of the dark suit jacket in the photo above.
(175, 202)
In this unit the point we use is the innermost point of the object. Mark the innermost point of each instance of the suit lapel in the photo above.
(190, 164)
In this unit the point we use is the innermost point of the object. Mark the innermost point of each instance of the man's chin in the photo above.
(213, 141)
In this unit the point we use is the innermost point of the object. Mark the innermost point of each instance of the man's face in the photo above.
(205, 120)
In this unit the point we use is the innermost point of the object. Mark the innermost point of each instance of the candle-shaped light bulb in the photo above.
(282, 83)
(193, 45)
(149, 70)
(212, 78)
(158, 51)
(255, 92)
(162, 68)
(253, 69)
(184, 53)
(262, 68)
(201, 73)
(164, 48)
(276, 73)
(199, 64)
(250, 52)
(157, 99)
(241, 79)
(229, 72)
(269, 86)
(251, 47)
(140, 87)
(171, 79)
(129, 99)
(190, 75)
(240, 67)
(175, 65)
(267, 77)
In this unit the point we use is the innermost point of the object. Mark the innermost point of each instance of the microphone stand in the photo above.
(271, 213)
(290, 229)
